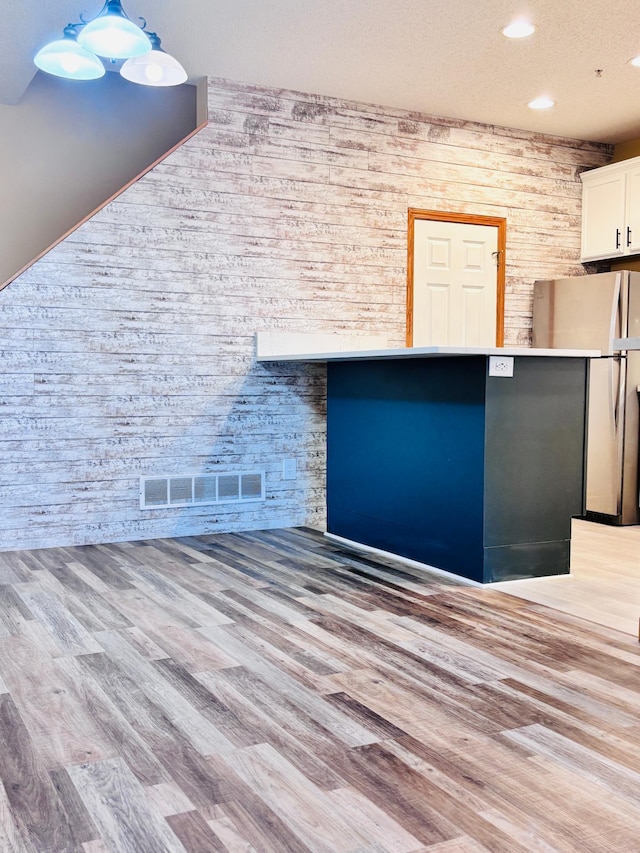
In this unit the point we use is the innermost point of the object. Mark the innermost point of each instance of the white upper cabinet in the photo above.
(611, 211)
(632, 234)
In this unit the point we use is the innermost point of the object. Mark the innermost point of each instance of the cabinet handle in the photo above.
(618, 235)
(628, 236)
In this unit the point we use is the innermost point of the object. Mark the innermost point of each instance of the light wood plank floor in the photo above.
(269, 692)
(604, 585)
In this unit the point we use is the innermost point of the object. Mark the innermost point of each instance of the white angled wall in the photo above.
(129, 348)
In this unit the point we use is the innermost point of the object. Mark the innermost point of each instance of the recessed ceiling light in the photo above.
(635, 61)
(542, 103)
(518, 29)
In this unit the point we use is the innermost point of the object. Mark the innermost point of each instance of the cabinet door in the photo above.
(632, 228)
(603, 213)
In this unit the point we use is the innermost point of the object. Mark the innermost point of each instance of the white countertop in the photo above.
(426, 352)
(626, 343)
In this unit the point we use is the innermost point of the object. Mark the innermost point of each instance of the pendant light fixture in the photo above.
(155, 68)
(113, 36)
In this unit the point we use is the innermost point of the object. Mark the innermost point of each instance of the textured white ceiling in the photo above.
(444, 57)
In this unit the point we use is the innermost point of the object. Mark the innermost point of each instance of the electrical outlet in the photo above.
(289, 469)
(500, 365)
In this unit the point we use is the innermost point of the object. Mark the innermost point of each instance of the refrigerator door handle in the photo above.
(618, 403)
(616, 318)
(614, 391)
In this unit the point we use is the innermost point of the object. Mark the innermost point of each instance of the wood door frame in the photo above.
(466, 219)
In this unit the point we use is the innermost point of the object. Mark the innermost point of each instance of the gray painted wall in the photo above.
(129, 348)
(69, 146)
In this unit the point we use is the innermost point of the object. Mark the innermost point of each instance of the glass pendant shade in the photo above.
(113, 35)
(65, 58)
(156, 68)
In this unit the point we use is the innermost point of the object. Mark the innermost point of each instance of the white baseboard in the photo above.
(367, 549)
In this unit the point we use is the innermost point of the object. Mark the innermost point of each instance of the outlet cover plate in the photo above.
(500, 365)
(289, 469)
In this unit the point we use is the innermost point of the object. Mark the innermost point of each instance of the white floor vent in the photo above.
(201, 489)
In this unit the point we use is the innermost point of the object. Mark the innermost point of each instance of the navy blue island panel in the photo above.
(434, 460)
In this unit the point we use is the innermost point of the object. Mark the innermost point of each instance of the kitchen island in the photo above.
(441, 456)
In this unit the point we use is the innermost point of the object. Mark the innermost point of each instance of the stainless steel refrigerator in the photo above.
(596, 312)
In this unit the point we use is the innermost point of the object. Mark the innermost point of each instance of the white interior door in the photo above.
(455, 284)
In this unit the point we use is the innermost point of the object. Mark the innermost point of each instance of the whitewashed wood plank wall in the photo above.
(129, 348)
